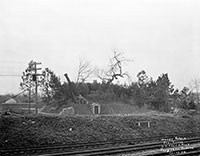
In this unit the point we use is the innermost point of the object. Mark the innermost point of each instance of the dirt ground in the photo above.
(52, 129)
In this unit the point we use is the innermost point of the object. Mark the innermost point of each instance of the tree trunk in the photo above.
(74, 99)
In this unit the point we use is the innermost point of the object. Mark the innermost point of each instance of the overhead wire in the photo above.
(10, 75)
(14, 96)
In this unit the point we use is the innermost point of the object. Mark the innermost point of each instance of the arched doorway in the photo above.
(96, 108)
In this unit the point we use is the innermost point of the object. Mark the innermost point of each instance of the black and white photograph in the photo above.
(99, 77)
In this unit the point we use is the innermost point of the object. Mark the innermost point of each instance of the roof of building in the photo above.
(11, 101)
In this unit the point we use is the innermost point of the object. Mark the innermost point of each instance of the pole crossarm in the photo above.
(32, 67)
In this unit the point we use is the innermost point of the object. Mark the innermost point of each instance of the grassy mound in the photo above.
(115, 107)
(43, 130)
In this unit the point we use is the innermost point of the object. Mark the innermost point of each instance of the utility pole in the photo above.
(33, 67)
(29, 99)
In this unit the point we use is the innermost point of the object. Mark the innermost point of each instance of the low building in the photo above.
(12, 105)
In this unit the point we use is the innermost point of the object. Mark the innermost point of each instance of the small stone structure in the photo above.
(96, 108)
(69, 111)
(82, 100)
(140, 123)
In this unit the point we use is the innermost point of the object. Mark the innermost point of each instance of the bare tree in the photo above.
(85, 70)
(115, 69)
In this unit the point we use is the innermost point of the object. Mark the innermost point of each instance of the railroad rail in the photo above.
(132, 149)
(181, 152)
(126, 144)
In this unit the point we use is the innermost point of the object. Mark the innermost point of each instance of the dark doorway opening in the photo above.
(96, 110)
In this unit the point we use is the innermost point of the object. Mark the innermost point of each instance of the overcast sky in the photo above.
(161, 36)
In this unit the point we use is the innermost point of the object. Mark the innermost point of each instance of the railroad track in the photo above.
(127, 144)
(135, 148)
(181, 152)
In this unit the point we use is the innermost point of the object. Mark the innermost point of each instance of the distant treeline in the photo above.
(156, 94)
